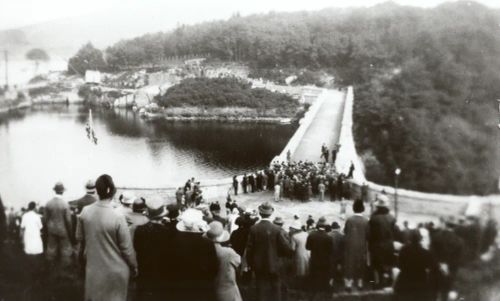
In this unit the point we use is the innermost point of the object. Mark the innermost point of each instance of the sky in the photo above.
(18, 13)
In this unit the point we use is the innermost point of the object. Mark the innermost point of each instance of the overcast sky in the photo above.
(16, 13)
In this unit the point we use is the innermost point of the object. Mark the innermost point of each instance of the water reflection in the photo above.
(46, 144)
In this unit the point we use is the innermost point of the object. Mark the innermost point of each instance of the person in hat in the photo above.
(126, 200)
(226, 288)
(110, 256)
(337, 251)
(381, 235)
(278, 221)
(192, 263)
(88, 199)
(298, 238)
(266, 244)
(152, 242)
(57, 217)
(355, 246)
(215, 210)
(321, 246)
(136, 217)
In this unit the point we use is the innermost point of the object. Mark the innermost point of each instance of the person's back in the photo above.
(321, 246)
(109, 252)
(152, 242)
(57, 217)
(262, 247)
(192, 267)
(100, 222)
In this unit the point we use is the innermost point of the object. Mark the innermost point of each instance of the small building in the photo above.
(92, 77)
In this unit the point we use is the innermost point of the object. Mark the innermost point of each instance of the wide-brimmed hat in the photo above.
(90, 186)
(156, 207)
(296, 225)
(216, 232)
(191, 220)
(59, 187)
(278, 221)
(266, 208)
(127, 198)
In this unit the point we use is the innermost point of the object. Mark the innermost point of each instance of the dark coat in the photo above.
(381, 238)
(320, 266)
(266, 244)
(417, 266)
(151, 243)
(239, 239)
(338, 247)
(191, 267)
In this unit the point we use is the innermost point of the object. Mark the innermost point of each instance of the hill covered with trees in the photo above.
(426, 80)
(225, 92)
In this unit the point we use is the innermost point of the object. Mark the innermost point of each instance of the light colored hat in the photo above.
(216, 232)
(128, 198)
(296, 225)
(382, 201)
(191, 220)
(90, 186)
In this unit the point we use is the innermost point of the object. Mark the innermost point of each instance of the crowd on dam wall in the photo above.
(131, 247)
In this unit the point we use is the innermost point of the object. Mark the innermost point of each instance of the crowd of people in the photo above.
(132, 248)
(297, 181)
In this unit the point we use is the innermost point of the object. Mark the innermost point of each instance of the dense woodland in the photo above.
(426, 80)
(223, 92)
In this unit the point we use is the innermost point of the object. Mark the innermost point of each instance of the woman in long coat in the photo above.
(355, 252)
(226, 288)
(108, 247)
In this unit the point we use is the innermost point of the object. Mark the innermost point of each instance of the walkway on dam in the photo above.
(325, 128)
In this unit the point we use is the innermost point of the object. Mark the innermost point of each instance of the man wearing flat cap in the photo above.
(321, 246)
(57, 215)
(266, 244)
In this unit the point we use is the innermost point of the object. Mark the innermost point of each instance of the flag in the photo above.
(90, 129)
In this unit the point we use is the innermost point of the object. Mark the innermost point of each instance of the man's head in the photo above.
(59, 188)
(266, 210)
(31, 206)
(358, 206)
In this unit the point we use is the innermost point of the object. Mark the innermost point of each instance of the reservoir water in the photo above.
(43, 145)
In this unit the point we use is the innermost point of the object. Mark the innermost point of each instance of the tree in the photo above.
(87, 58)
(37, 55)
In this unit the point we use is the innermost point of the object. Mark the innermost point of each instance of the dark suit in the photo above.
(266, 244)
(321, 246)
